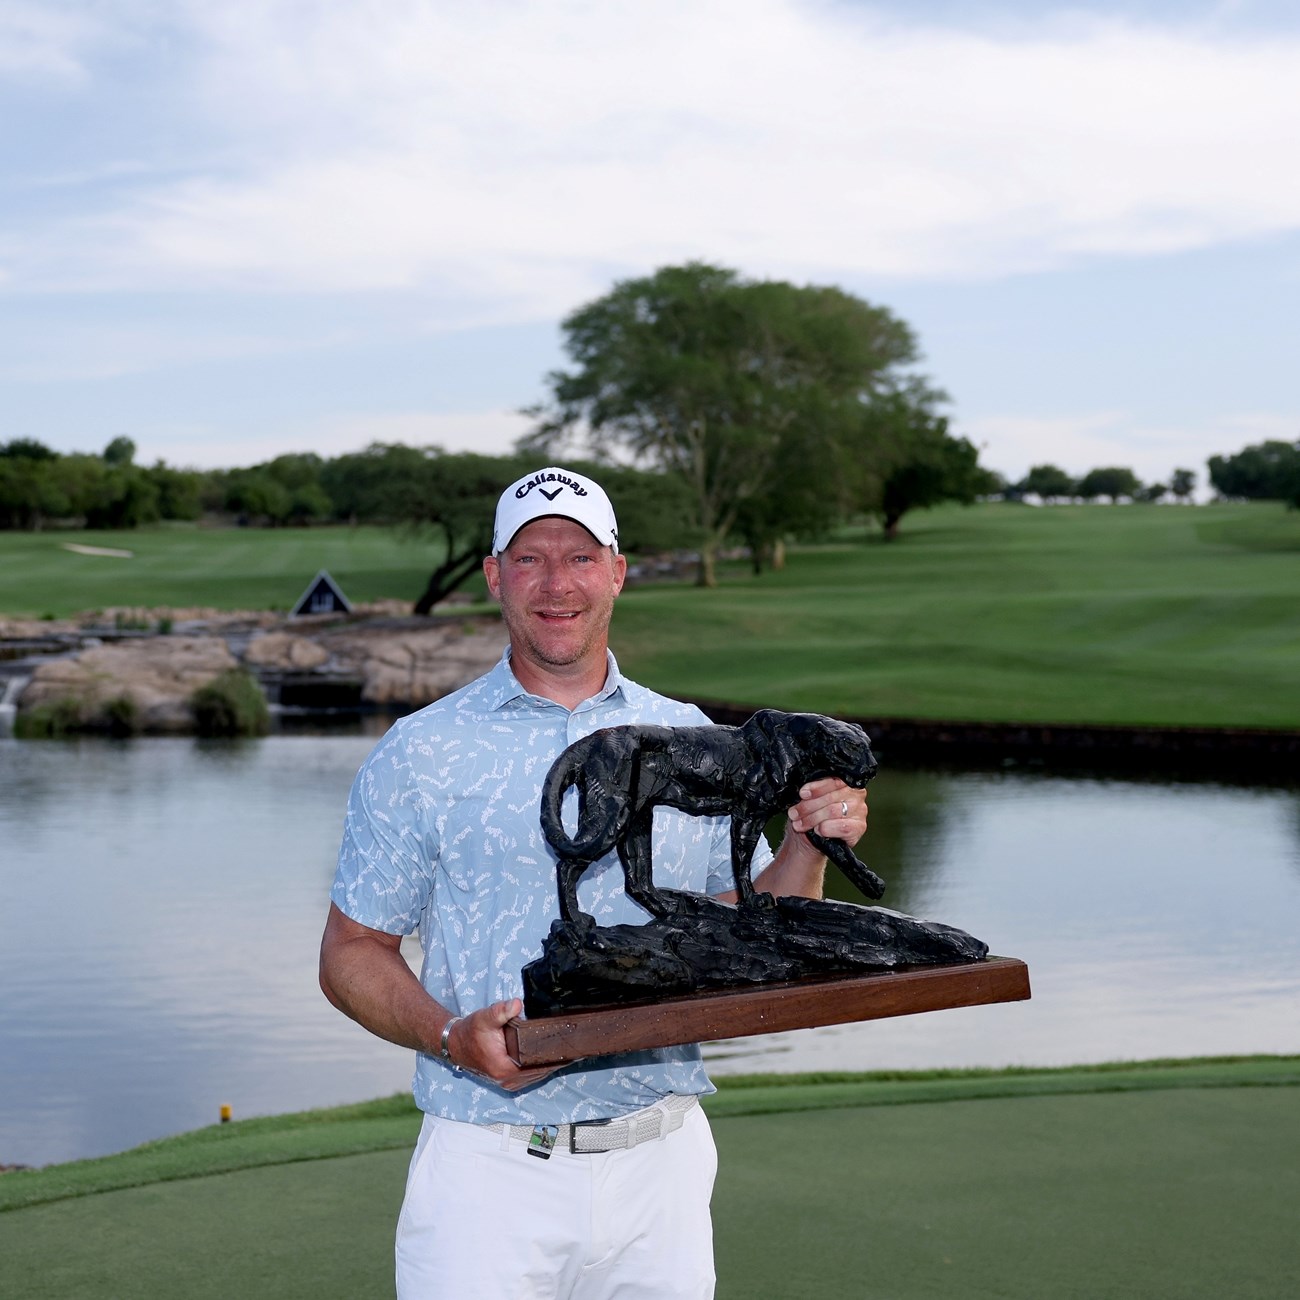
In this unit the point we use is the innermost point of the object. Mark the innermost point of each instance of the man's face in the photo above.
(556, 585)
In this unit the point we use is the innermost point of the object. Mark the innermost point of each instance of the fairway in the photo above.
(1091, 614)
(218, 568)
(1134, 615)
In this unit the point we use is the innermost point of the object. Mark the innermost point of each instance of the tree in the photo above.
(1183, 483)
(27, 449)
(1111, 481)
(125, 497)
(1150, 493)
(179, 490)
(384, 484)
(459, 507)
(32, 489)
(121, 451)
(907, 459)
(1047, 483)
(1265, 471)
(705, 375)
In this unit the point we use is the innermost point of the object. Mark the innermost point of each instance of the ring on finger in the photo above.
(844, 807)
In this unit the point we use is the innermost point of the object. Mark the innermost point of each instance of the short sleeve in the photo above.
(385, 867)
(722, 879)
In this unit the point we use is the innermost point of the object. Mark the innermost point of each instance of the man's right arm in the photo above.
(363, 973)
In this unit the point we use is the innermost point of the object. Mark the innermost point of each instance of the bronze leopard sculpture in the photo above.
(750, 772)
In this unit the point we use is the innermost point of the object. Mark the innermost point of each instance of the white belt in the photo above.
(588, 1137)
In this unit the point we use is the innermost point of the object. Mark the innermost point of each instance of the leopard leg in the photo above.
(567, 874)
(634, 852)
(744, 839)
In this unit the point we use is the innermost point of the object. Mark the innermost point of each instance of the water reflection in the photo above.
(163, 901)
(1156, 920)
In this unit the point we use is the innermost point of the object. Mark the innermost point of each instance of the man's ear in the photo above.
(620, 572)
(492, 572)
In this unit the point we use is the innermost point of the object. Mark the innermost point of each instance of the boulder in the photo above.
(415, 663)
(285, 651)
(156, 674)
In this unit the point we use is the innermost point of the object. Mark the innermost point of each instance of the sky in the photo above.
(233, 230)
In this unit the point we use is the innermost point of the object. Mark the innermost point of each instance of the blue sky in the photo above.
(234, 230)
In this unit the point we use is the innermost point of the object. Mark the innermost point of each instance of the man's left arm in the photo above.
(832, 809)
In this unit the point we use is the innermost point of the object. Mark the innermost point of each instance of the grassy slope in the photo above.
(1131, 615)
(1141, 615)
(1163, 1178)
(229, 568)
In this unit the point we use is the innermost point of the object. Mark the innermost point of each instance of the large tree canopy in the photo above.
(908, 459)
(712, 378)
(1112, 481)
(451, 496)
(1047, 483)
(1264, 471)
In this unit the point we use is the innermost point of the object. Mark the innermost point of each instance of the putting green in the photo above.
(1182, 1191)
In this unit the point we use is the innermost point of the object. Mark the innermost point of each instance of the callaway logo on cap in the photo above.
(555, 492)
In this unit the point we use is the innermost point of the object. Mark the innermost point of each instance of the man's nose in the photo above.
(555, 577)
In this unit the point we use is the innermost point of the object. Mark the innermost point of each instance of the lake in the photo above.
(162, 902)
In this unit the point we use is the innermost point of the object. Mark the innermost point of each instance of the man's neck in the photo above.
(568, 689)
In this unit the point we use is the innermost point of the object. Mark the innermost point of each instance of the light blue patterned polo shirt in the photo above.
(443, 833)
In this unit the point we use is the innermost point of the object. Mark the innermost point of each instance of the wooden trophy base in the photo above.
(764, 1009)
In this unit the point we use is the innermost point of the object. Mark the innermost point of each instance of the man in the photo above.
(443, 833)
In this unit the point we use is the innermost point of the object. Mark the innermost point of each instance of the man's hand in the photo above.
(832, 809)
(477, 1044)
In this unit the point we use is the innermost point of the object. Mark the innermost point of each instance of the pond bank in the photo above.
(145, 666)
(1230, 753)
(382, 660)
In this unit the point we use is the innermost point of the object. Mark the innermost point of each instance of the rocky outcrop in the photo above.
(144, 683)
(411, 664)
(155, 676)
(286, 652)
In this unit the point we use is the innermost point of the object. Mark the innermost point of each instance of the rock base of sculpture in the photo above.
(706, 945)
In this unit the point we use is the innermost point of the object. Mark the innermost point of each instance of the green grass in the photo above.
(222, 568)
(1137, 615)
(1156, 1178)
(1124, 615)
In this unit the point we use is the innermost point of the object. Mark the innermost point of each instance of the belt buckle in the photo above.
(584, 1124)
(541, 1141)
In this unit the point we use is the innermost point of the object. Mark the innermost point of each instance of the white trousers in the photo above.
(484, 1220)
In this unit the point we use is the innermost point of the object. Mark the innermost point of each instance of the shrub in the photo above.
(231, 705)
(49, 721)
(121, 717)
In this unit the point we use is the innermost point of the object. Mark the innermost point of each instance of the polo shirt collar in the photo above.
(504, 688)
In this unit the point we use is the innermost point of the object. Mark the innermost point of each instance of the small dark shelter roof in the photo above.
(323, 596)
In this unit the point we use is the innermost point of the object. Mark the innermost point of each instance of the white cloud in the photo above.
(491, 432)
(41, 42)
(515, 156)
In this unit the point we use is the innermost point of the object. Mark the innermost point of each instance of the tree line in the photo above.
(719, 410)
(1050, 483)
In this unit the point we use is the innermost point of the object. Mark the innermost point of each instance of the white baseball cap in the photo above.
(555, 492)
